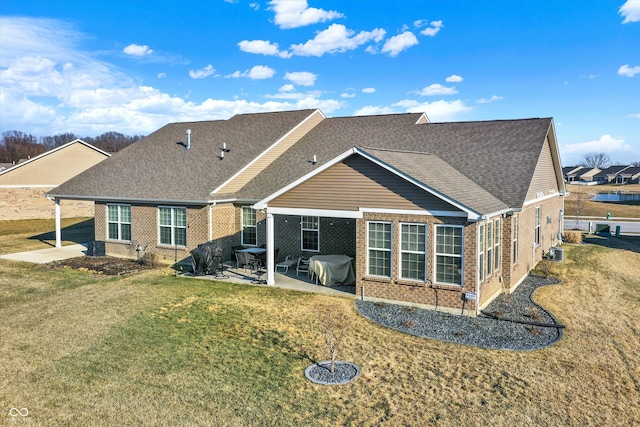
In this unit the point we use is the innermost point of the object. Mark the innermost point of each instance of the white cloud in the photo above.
(202, 73)
(369, 90)
(396, 44)
(437, 110)
(627, 71)
(162, 75)
(286, 88)
(137, 50)
(259, 72)
(488, 100)
(262, 47)
(438, 89)
(48, 85)
(336, 38)
(433, 29)
(254, 6)
(606, 144)
(302, 78)
(631, 11)
(635, 116)
(297, 13)
(454, 79)
(347, 95)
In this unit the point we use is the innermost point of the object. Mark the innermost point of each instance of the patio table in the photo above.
(332, 269)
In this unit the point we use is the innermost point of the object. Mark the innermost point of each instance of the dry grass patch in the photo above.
(151, 349)
(32, 234)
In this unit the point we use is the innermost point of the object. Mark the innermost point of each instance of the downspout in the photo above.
(211, 221)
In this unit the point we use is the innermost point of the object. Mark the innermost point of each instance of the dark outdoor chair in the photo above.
(241, 260)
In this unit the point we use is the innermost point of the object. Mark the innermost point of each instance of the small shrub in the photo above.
(333, 324)
(573, 236)
(410, 309)
(150, 259)
(545, 267)
(535, 331)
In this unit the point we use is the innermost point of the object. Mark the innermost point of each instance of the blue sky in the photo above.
(91, 66)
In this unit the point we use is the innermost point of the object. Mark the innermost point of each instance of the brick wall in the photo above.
(144, 233)
(396, 289)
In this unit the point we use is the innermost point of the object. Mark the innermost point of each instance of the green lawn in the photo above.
(153, 349)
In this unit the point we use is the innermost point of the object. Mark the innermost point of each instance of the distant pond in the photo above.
(616, 197)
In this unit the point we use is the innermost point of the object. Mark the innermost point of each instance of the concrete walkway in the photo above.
(42, 256)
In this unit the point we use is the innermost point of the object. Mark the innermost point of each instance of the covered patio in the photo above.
(285, 280)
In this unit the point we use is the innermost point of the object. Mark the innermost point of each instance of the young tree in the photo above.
(334, 324)
(596, 160)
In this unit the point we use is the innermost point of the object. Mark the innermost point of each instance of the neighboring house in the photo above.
(608, 175)
(572, 173)
(430, 211)
(22, 186)
(586, 174)
(630, 175)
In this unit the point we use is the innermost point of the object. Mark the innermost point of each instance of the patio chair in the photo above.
(303, 266)
(241, 260)
(289, 261)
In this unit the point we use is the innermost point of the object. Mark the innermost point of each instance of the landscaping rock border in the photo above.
(518, 322)
(320, 372)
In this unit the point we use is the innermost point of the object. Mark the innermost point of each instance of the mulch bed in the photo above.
(109, 266)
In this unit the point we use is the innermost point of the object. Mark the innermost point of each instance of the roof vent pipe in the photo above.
(188, 138)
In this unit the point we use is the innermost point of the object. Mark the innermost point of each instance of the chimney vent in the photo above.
(188, 138)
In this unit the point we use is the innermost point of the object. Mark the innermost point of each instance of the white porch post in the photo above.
(58, 228)
(271, 262)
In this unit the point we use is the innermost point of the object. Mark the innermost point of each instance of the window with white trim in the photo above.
(413, 252)
(173, 226)
(489, 248)
(249, 227)
(310, 233)
(448, 254)
(496, 249)
(379, 248)
(119, 222)
(536, 229)
(515, 239)
(481, 252)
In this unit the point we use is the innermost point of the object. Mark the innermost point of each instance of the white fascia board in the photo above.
(497, 213)
(263, 203)
(555, 156)
(541, 199)
(456, 214)
(471, 213)
(331, 213)
(221, 186)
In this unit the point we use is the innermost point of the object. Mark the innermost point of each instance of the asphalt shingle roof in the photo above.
(497, 158)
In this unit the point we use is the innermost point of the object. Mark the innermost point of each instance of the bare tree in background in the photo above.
(596, 160)
(581, 202)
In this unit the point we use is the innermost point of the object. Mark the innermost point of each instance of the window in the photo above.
(413, 251)
(480, 252)
(489, 248)
(310, 229)
(249, 227)
(119, 222)
(449, 254)
(537, 227)
(515, 239)
(379, 249)
(496, 250)
(173, 226)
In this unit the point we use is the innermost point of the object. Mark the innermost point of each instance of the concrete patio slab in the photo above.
(42, 256)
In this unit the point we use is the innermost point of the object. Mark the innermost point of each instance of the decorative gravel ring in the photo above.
(320, 373)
